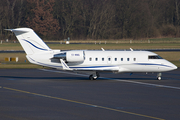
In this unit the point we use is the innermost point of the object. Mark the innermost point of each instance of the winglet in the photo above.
(102, 49)
(64, 65)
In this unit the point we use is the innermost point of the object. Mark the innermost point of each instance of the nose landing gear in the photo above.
(159, 76)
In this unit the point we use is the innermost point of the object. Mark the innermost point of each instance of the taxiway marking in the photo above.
(83, 103)
(150, 84)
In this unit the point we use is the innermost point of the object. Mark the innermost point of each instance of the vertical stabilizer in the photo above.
(29, 40)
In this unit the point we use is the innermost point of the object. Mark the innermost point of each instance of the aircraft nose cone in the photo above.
(171, 66)
(174, 67)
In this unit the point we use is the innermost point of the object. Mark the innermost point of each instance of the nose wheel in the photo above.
(159, 76)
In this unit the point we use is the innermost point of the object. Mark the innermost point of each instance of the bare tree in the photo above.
(95, 19)
(102, 16)
(42, 20)
(69, 15)
(177, 4)
(20, 12)
(2, 17)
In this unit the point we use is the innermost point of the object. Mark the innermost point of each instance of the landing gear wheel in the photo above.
(159, 78)
(94, 76)
(91, 77)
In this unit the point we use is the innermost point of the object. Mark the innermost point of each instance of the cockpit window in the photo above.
(155, 57)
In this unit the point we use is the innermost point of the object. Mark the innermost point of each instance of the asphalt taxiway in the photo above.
(34, 94)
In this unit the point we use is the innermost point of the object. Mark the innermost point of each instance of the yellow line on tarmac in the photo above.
(92, 105)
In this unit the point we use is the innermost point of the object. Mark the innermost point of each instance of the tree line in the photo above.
(92, 19)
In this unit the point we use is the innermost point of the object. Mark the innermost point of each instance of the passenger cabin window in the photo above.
(102, 59)
(96, 59)
(109, 59)
(154, 57)
(90, 59)
(127, 59)
(134, 59)
(115, 59)
(121, 59)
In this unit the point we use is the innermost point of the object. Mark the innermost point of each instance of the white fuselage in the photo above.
(115, 61)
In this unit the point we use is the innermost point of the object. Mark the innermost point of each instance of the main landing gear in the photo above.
(94, 76)
(159, 76)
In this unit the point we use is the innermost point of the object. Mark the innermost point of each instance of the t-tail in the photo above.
(30, 41)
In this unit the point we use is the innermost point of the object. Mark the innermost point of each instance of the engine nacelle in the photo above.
(75, 56)
(71, 56)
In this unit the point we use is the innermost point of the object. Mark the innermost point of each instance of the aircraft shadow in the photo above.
(43, 78)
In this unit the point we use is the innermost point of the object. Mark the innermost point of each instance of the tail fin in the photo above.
(29, 40)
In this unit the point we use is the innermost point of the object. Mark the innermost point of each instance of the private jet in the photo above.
(91, 62)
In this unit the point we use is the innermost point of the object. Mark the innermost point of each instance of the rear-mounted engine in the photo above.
(71, 56)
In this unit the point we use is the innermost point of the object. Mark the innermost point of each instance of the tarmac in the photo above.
(47, 94)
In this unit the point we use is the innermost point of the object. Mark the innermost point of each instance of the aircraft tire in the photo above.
(159, 78)
(91, 77)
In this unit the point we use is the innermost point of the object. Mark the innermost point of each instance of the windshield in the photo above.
(155, 57)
